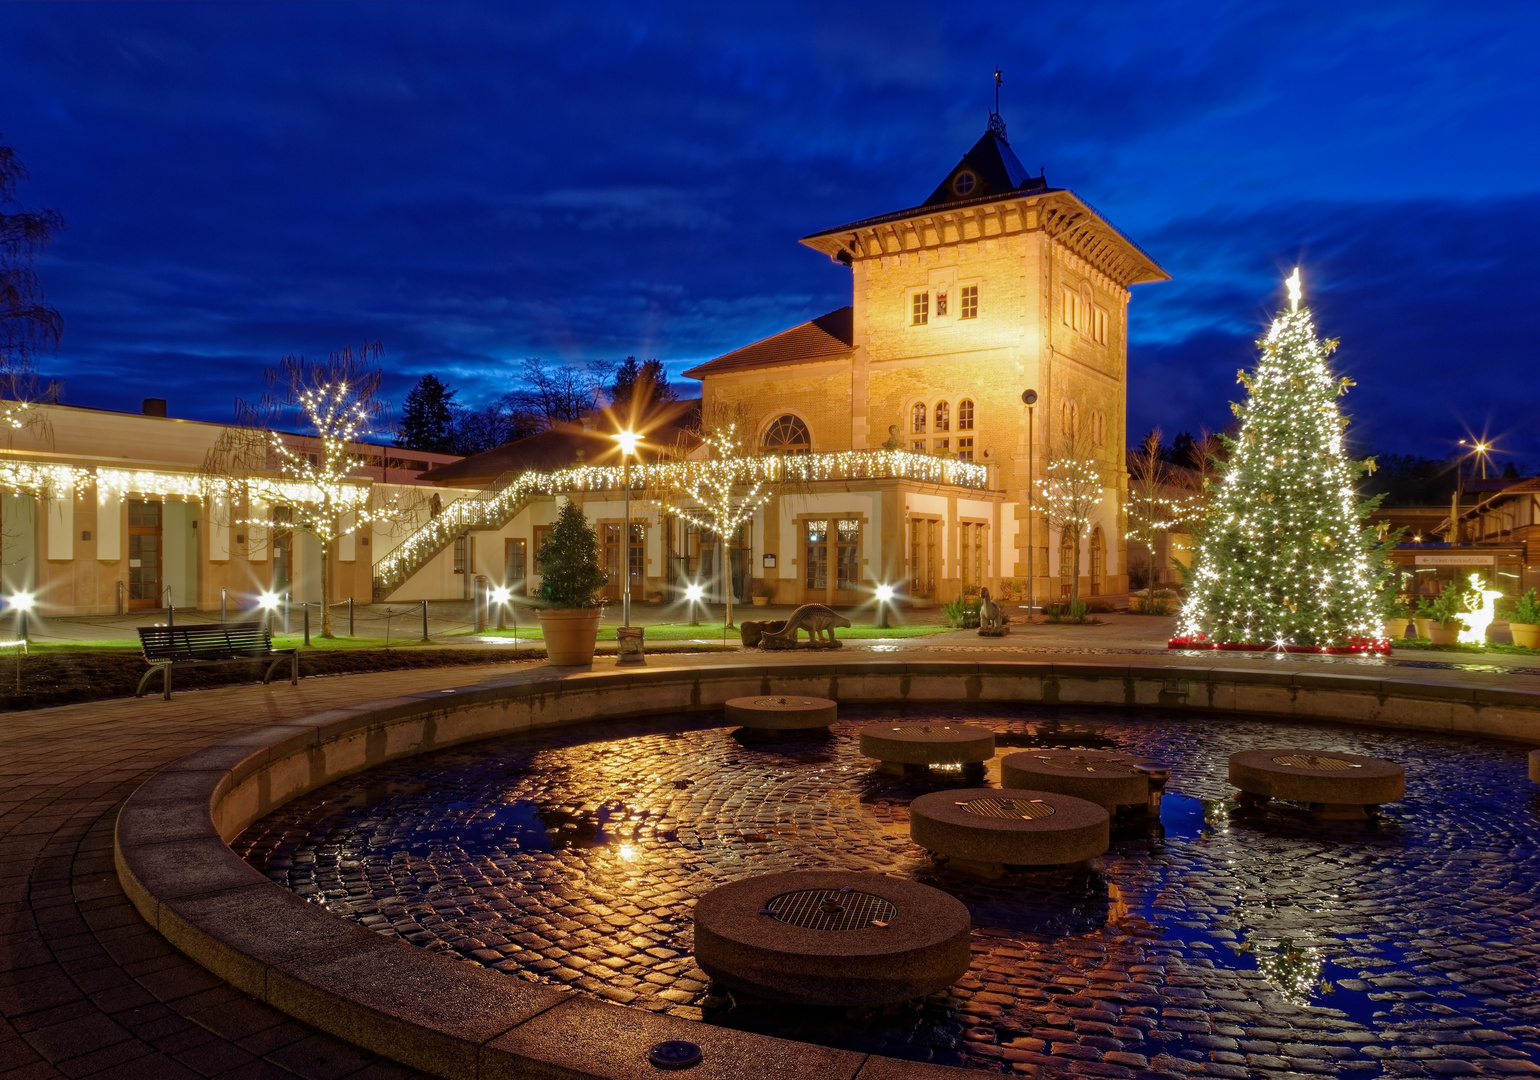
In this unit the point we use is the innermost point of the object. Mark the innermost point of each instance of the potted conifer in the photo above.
(570, 579)
(1524, 621)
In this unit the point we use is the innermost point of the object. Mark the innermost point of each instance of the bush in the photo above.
(570, 575)
(1526, 609)
(1443, 608)
(960, 613)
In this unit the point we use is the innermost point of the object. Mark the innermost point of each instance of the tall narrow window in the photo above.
(965, 414)
(917, 419)
(970, 302)
(943, 416)
(918, 446)
(965, 449)
(919, 309)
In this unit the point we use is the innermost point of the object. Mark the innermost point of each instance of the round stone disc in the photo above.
(927, 743)
(1317, 776)
(1013, 826)
(781, 712)
(832, 937)
(1106, 777)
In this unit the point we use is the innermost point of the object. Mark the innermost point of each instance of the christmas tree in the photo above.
(1284, 557)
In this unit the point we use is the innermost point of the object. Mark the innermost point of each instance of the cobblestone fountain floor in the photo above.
(1204, 944)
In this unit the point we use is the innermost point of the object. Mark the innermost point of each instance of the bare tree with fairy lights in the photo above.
(316, 478)
(717, 495)
(1067, 495)
(1156, 500)
(1284, 558)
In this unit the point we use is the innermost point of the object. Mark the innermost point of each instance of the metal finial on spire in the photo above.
(997, 125)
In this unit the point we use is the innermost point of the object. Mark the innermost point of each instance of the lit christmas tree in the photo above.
(1284, 558)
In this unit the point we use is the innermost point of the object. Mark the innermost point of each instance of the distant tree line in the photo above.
(546, 395)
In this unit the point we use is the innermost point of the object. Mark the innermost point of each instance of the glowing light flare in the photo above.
(884, 593)
(693, 593)
(1296, 293)
(22, 601)
(501, 594)
(627, 440)
(268, 601)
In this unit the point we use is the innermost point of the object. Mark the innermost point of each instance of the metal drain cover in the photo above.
(1313, 761)
(928, 729)
(1011, 809)
(781, 702)
(831, 909)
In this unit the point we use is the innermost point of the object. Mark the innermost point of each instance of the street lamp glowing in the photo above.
(627, 441)
(693, 592)
(23, 601)
(268, 601)
(501, 594)
(884, 593)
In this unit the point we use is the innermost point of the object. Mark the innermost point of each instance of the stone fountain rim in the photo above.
(464, 1021)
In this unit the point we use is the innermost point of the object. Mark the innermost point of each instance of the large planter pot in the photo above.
(1525, 635)
(1395, 629)
(761, 601)
(1439, 633)
(570, 634)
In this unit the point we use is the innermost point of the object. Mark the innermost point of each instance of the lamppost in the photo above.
(1029, 399)
(21, 603)
(627, 440)
(884, 595)
(1478, 450)
(268, 602)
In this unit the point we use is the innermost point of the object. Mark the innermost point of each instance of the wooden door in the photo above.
(145, 548)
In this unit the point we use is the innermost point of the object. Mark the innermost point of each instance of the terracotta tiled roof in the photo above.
(823, 338)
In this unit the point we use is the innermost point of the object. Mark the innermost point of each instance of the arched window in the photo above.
(788, 435)
(943, 416)
(965, 414)
(917, 419)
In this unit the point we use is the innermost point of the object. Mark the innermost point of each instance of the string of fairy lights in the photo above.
(733, 479)
(1283, 556)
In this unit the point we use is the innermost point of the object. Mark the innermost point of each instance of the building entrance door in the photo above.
(831, 555)
(636, 563)
(144, 554)
(515, 565)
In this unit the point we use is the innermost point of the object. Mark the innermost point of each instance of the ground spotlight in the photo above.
(884, 597)
(693, 594)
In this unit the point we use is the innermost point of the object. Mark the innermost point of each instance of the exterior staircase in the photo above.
(490, 508)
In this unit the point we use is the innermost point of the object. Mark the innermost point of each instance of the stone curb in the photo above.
(466, 1022)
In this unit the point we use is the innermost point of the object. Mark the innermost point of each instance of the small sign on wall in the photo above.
(769, 562)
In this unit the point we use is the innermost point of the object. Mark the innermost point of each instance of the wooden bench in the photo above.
(211, 643)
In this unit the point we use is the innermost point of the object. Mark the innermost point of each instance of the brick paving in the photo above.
(88, 989)
(1209, 946)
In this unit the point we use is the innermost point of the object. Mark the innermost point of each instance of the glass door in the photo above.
(815, 562)
(515, 565)
(144, 554)
(847, 562)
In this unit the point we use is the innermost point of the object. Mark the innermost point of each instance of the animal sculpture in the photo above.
(816, 619)
(992, 621)
(1477, 620)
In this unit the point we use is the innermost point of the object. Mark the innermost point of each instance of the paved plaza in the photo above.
(88, 989)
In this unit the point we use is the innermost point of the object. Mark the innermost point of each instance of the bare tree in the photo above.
(556, 393)
(717, 494)
(1157, 500)
(27, 322)
(316, 477)
(1068, 494)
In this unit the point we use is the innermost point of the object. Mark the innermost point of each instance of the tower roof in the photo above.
(990, 168)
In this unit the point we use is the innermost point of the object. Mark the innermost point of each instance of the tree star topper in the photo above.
(1295, 292)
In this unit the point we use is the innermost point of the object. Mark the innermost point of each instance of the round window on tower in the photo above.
(964, 182)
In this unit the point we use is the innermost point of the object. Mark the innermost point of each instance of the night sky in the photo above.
(472, 184)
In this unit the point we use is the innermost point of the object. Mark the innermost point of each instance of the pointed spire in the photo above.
(997, 125)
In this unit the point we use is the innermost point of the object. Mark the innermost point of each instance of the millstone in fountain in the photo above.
(1534, 766)
(985, 830)
(919, 746)
(781, 712)
(1109, 778)
(1336, 785)
(829, 937)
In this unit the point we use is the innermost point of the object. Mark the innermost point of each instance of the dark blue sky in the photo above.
(471, 184)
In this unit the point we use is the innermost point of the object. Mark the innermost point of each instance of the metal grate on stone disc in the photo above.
(831, 909)
(1010, 809)
(781, 701)
(927, 729)
(1312, 761)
